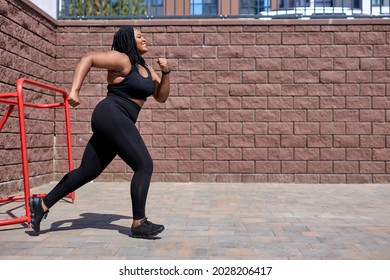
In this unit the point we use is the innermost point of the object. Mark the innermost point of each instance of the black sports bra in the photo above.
(134, 85)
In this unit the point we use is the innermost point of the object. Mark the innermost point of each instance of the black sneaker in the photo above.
(146, 229)
(37, 213)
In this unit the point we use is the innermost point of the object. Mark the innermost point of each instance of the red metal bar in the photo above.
(19, 102)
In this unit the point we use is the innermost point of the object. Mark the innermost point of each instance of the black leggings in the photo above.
(114, 133)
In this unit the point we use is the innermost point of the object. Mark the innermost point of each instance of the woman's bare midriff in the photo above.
(139, 102)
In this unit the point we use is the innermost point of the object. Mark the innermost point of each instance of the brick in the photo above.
(359, 77)
(372, 167)
(319, 115)
(317, 141)
(306, 154)
(254, 154)
(359, 51)
(333, 154)
(359, 154)
(191, 64)
(295, 167)
(165, 39)
(358, 102)
(219, 141)
(346, 38)
(242, 38)
(216, 90)
(294, 38)
(293, 115)
(370, 115)
(267, 141)
(281, 51)
(242, 90)
(381, 77)
(254, 128)
(268, 38)
(190, 141)
(332, 102)
(254, 102)
(242, 115)
(373, 63)
(306, 128)
(306, 102)
(228, 77)
(242, 167)
(293, 141)
(320, 64)
(203, 153)
(228, 102)
(321, 167)
(346, 115)
(332, 128)
(203, 77)
(306, 76)
(230, 153)
(341, 63)
(281, 77)
(204, 52)
(268, 89)
(346, 167)
(203, 128)
(203, 103)
(349, 141)
(190, 166)
(294, 90)
(380, 102)
(216, 64)
(242, 141)
(216, 167)
(381, 51)
(254, 77)
(190, 115)
(280, 154)
(216, 39)
(177, 128)
(333, 51)
(332, 77)
(372, 89)
(267, 116)
(216, 116)
(255, 51)
(372, 141)
(230, 52)
(268, 167)
(320, 38)
(381, 154)
(229, 128)
(268, 64)
(280, 128)
(187, 38)
(307, 51)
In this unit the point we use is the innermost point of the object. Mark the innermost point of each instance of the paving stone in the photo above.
(210, 221)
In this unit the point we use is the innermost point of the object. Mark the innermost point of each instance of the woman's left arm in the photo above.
(161, 85)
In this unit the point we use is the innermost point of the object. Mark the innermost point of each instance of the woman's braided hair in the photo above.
(124, 42)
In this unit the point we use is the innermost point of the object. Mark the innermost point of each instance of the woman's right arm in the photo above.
(111, 60)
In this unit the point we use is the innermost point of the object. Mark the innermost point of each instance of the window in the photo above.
(253, 7)
(204, 7)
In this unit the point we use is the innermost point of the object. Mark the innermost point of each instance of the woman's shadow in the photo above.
(92, 220)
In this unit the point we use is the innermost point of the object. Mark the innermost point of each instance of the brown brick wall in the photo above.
(251, 100)
(27, 49)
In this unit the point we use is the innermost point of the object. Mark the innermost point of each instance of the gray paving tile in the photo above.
(210, 221)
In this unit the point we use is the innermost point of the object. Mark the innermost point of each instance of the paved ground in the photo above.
(210, 221)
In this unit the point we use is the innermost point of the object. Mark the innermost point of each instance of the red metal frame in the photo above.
(19, 102)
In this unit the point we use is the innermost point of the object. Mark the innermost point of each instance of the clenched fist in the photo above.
(163, 63)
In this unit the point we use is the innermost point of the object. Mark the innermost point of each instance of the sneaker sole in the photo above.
(148, 235)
